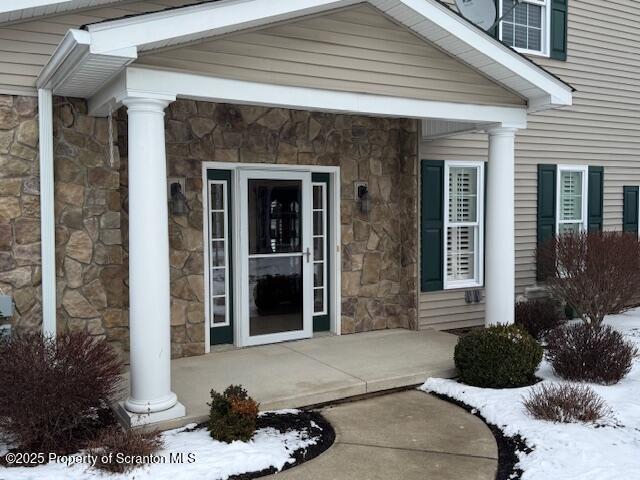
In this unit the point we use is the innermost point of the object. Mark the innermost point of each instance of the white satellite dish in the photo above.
(480, 12)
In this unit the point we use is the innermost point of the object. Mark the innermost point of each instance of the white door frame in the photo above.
(335, 243)
(242, 325)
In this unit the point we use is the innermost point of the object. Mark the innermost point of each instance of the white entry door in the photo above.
(276, 256)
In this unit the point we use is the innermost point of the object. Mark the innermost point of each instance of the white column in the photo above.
(47, 214)
(500, 227)
(149, 294)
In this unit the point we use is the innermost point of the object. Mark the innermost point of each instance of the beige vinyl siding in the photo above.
(356, 49)
(25, 47)
(602, 128)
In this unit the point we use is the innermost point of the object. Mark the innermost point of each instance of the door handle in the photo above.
(308, 254)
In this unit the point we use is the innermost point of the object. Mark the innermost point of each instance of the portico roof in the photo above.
(88, 59)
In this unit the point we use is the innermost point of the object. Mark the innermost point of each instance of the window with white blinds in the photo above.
(572, 195)
(464, 201)
(525, 26)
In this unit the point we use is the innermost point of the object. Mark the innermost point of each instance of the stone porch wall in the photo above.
(379, 249)
(20, 274)
(87, 210)
(89, 251)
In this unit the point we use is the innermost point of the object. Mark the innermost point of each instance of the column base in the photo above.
(132, 420)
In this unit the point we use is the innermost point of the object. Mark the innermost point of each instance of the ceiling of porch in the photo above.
(357, 49)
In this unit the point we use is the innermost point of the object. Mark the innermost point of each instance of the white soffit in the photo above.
(18, 10)
(431, 20)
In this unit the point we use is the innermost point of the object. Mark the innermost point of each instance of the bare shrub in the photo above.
(590, 353)
(538, 317)
(53, 390)
(565, 403)
(120, 451)
(597, 273)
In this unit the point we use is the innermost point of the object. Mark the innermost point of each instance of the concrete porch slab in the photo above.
(308, 372)
(385, 359)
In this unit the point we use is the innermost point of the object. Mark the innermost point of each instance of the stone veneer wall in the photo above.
(20, 274)
(89, 252)
(379, 249)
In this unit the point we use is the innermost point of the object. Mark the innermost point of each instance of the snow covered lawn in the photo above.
(211, 460)
(608, 450)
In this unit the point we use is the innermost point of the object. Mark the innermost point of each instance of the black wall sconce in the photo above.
(177, 201)
(362, 195)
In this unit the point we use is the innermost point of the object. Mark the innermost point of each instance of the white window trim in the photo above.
(478, 281)
(546, 29)
(585, 195)
(323, 209)
(225, 212)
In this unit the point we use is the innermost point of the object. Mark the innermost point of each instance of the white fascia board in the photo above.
(154, 82)
(73, 64)
(457, 26)
(107, 98)
(545, 102)
(210, 19)
(73, 48)
(204, 19)
(16, 5)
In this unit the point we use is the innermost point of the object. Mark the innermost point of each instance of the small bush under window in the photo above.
(498, 357)
(232, 415)
(54, 392)
(590, 353)
(538, 317)
(565, 403)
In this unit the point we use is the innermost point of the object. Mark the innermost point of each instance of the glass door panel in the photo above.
(275, 295)
(278, 258)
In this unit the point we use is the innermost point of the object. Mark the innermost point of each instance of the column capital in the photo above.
(501, 131)
(146, 102)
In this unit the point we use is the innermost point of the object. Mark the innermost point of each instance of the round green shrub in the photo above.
(501, 356)
(232, 415)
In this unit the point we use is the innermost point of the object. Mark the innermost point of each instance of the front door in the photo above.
(276, 256)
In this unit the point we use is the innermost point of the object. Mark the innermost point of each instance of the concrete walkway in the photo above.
(319, 370)
(408, 435)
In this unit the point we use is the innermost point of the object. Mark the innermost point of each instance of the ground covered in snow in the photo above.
(190, 452)
(609, 450)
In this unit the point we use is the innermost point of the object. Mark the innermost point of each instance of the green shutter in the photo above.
(546, 205)
(432, 226)
(559, 15)
(546, 202)
(595, 205)
(630, 206)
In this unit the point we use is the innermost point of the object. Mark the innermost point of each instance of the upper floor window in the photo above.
(526, 27)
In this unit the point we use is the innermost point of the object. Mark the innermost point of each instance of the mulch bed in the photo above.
(508, 447)
(311, 421)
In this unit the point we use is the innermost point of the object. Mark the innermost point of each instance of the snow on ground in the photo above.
(607, 451)
(213, 460)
